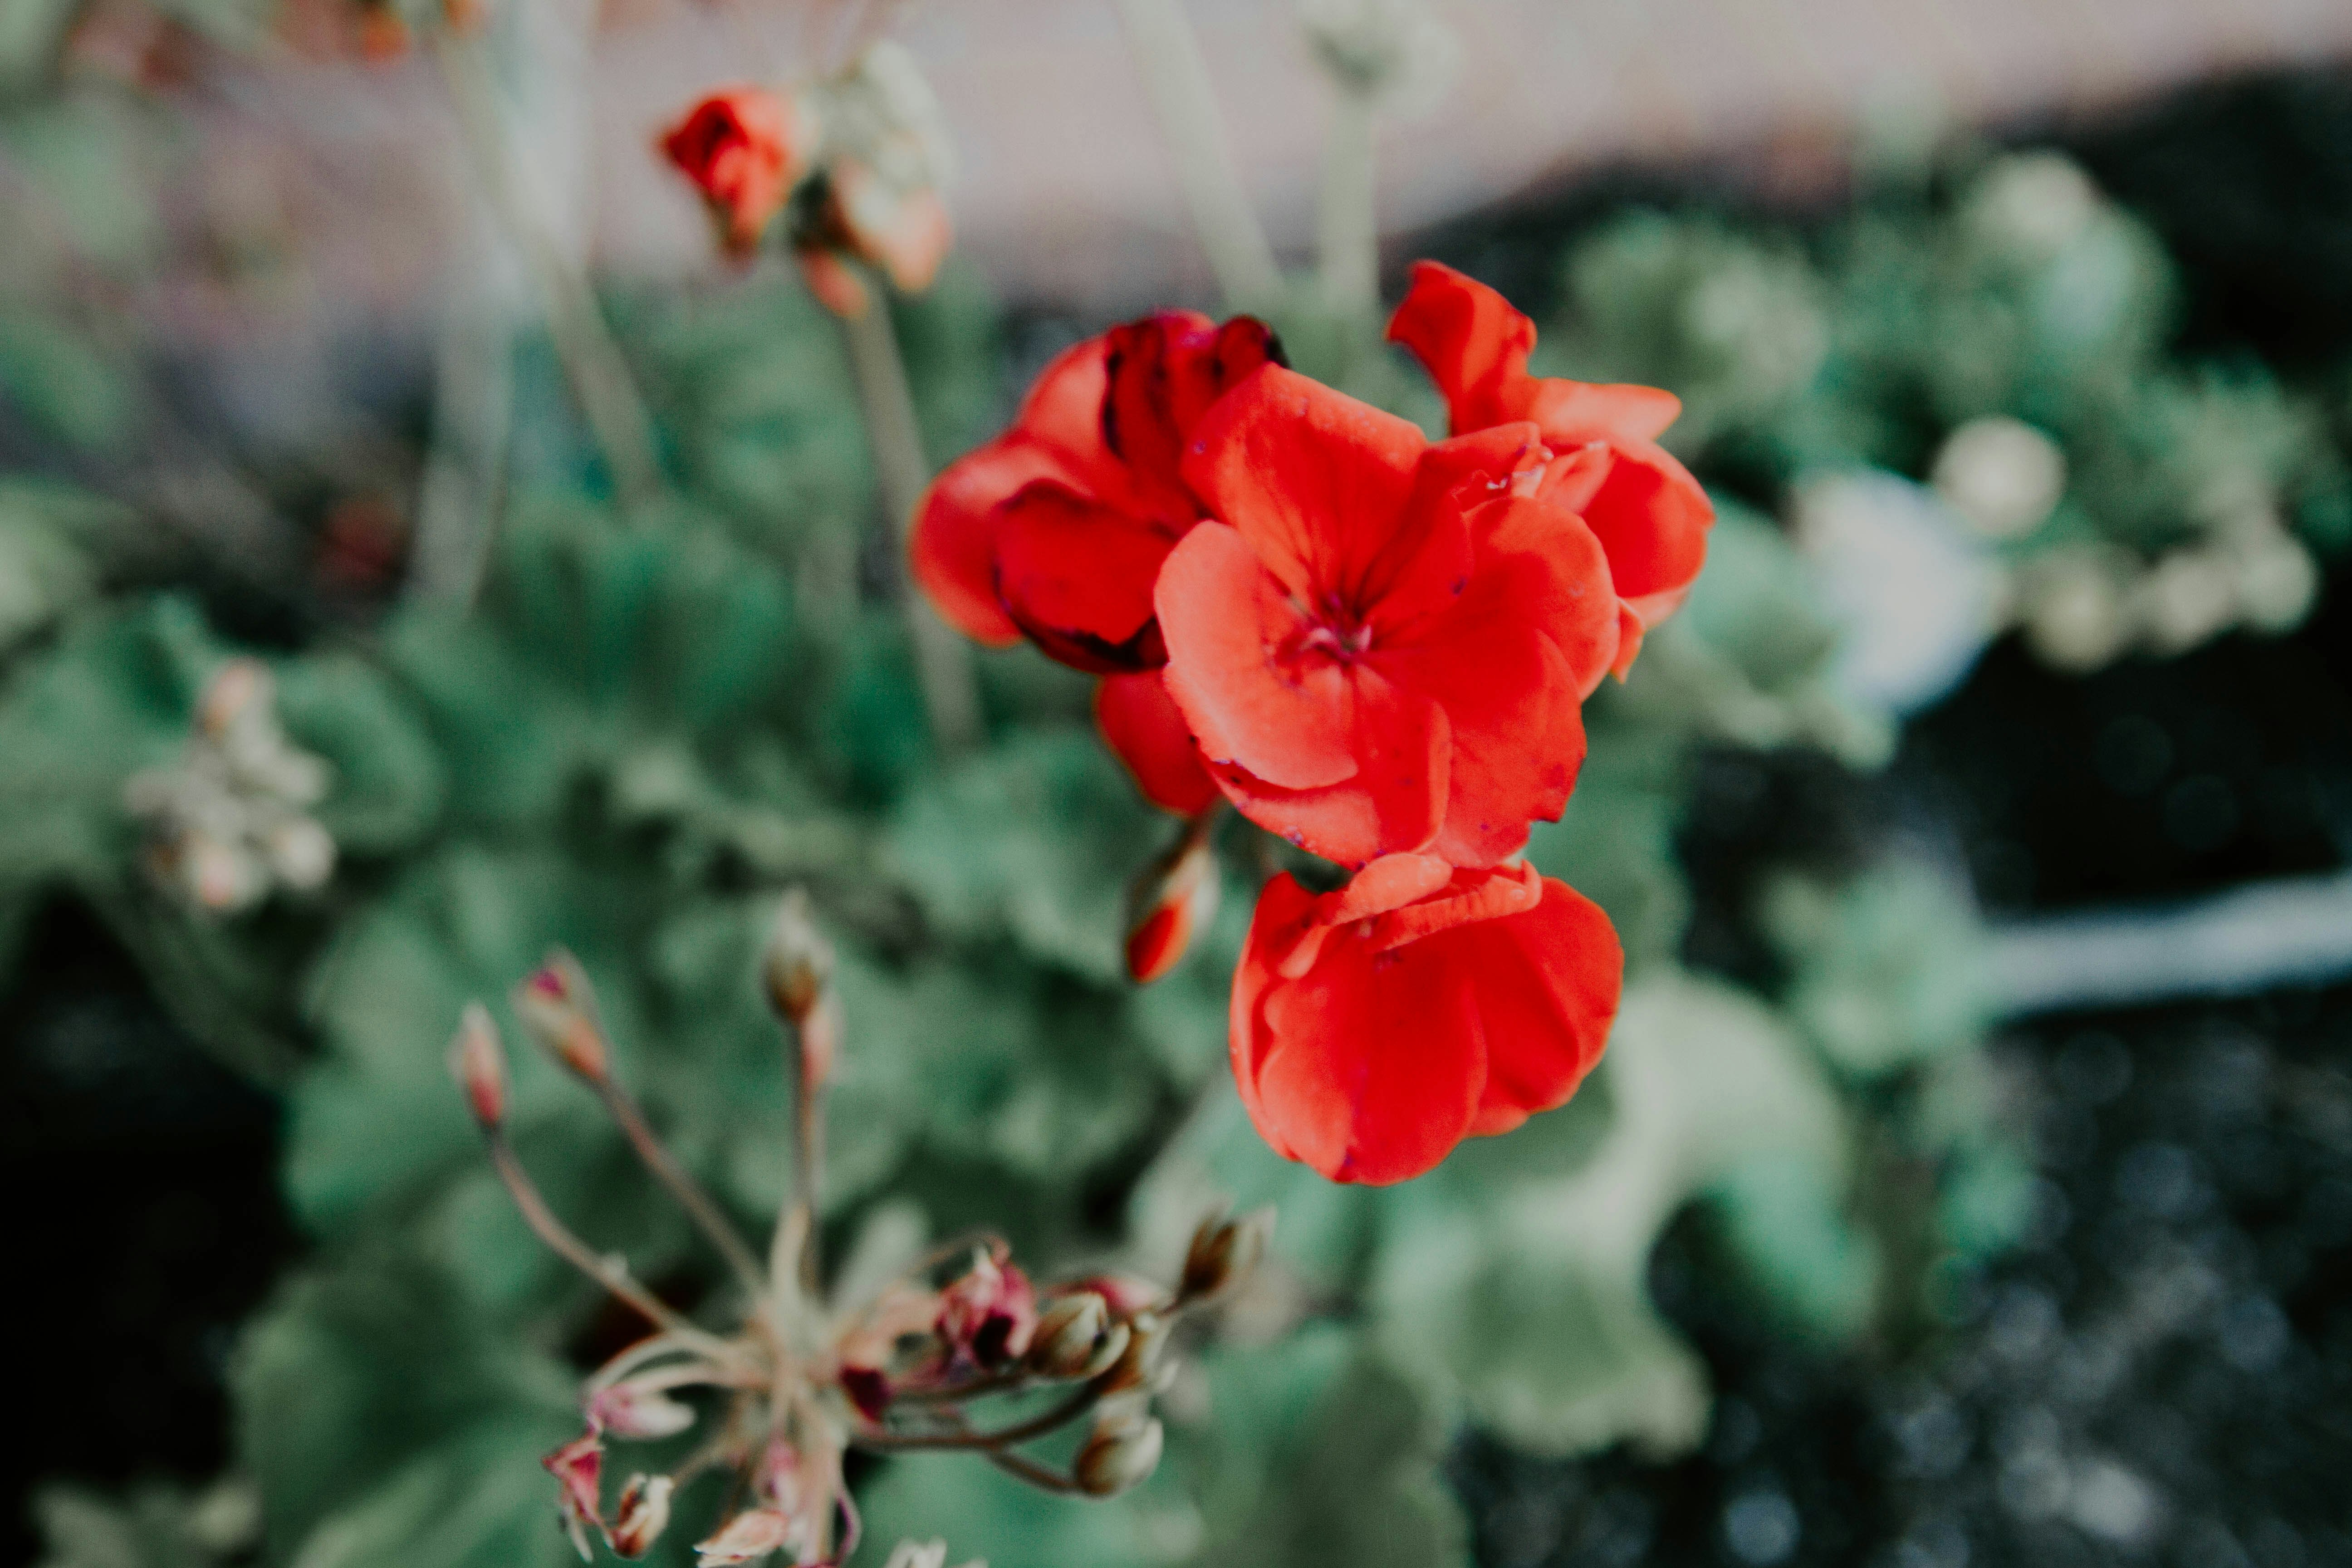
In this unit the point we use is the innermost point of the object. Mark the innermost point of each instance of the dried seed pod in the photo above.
(643, 1514)
(1223, 1251)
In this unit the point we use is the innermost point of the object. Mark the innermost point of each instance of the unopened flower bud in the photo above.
(797, 964)
(576, 1467)
(1174, 897)
(1223, 1251)
(1138, 1360)
(479, 1062)
(1069, 1335)
(1124, 1294)
(639, 1407)
(643, 1514)
(558, 1006)
(744, 148)
(1119, 1452)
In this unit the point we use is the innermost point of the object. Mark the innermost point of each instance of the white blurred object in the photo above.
(2001, 474)
(2290, 931)
(231, 819)
(1920, 597)
(1393, 51)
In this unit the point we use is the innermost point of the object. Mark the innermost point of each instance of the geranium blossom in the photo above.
(1386, 649)
(1377, 1027)
(1650, 514)
(1056, 530)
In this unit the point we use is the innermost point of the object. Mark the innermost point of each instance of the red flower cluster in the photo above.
(1374, 645)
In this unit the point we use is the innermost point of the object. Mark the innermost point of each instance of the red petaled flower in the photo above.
(744, 148)
(1375, 1028)
(1056, 530)
(1387, 650)
(1650, 514)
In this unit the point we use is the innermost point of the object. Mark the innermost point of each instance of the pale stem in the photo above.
(611, 1273)
(1060, 1415)
(808, 1148)
(591, 361)
(697, 1203)
(459, 502)
(942, 662)
(1346, 235)
(1176, 80)
(1036, 1474)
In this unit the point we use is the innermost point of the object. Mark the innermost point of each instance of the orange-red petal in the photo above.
(1141, 724)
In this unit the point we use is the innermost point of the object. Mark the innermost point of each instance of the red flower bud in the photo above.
(744, 148)
(478, 1063)
(988, 1316)
(1174, 897)
(558, 1006)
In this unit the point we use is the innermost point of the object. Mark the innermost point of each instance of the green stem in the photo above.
(1346, 236)
(1184, 100)
(942, 662)
(583, 342)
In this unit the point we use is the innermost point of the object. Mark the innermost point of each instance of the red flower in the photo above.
(744, 148)
(1375, 1028)
(1387, 650)
(1056, 529)
(1650, 514)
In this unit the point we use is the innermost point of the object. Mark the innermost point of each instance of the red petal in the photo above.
(1474, 344)
(1510, 665)
(1621, 413)
(1547, 985)
(1387, 883)
(1370, 1068)
(1164, 372)
(1467, 896)
(1653, 519)
(1394, 803)
(1316, 482)
(1078, 576)
(953, 550)
(1224, 618)
(1141, 724)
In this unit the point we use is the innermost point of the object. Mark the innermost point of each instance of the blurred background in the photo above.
(1970, 1182)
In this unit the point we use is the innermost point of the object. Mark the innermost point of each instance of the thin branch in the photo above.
(1184, 99)
(1060, 1415)
(698, 1203)
(1346, 236)
(591, 361)
(611, 1273)
(1036, 1474)
(942, 661)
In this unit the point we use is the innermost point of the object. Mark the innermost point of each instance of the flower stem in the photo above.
(591, 361)
(1036, 1474)
(1176, 79)
(611, 1273)
(698, 1205)
(942, 663)
(1346, 236)
(1060, 1415)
